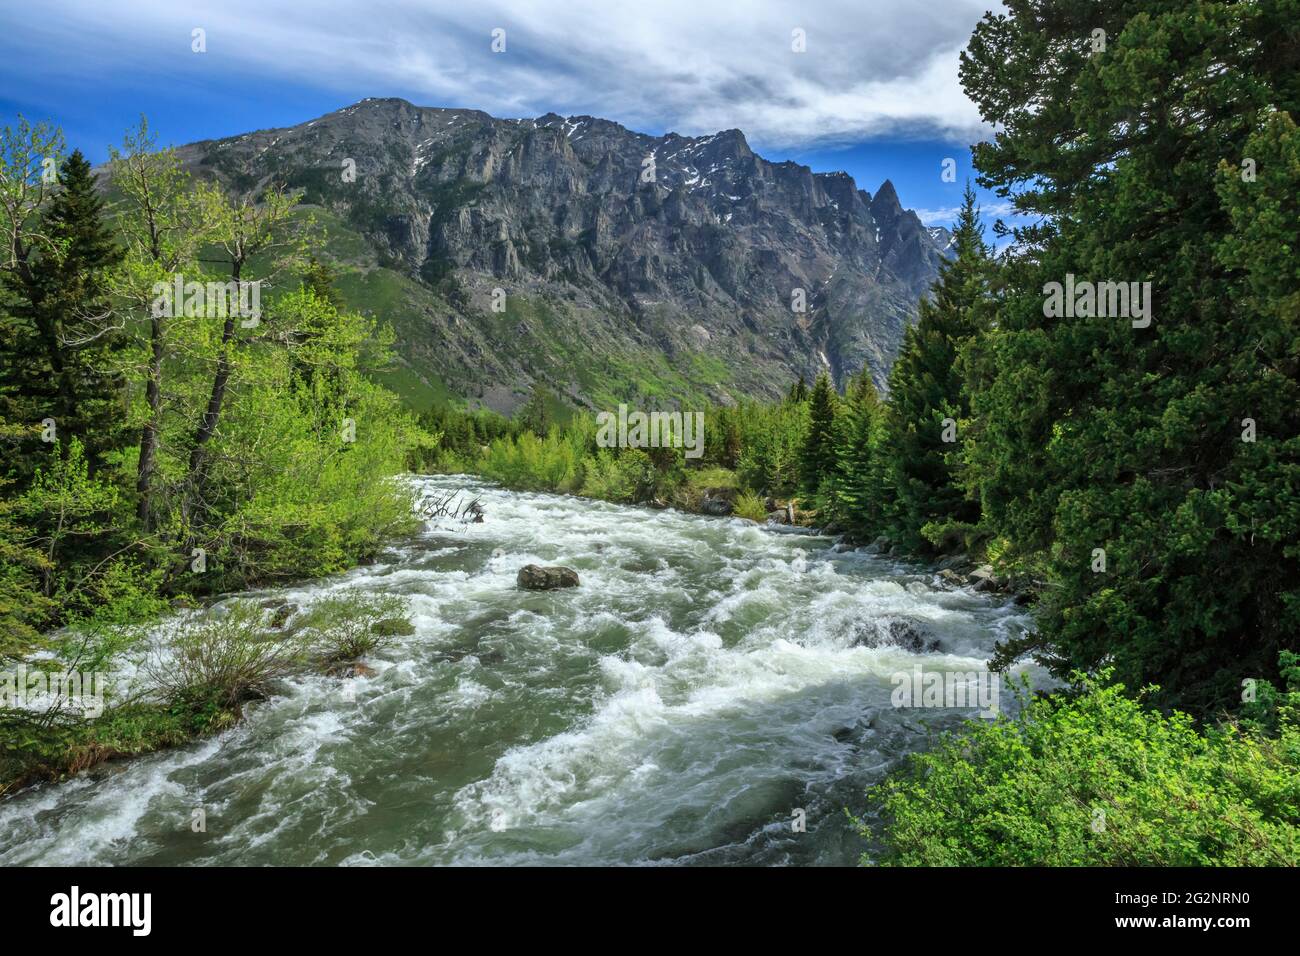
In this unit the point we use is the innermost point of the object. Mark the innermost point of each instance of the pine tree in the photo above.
(535, 416)
(858, 484)
(928, 402)
(58, 353)
(798, 391)
(1145, 461)
(817, 458)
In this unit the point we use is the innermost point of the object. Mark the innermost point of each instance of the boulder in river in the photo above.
(715, 506)
(897, 632)
(984, 579)
(534, 577)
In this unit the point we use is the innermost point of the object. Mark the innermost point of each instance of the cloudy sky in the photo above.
(874, 91)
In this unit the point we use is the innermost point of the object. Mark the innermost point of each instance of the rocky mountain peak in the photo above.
(693, 258)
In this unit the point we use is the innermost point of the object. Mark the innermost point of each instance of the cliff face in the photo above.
(631, 265)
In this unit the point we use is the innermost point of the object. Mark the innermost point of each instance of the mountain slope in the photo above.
(630, 267)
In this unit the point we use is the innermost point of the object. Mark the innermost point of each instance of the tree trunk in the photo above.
(149, 435)
(212, 414)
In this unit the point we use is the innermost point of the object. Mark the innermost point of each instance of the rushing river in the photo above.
(709, 679)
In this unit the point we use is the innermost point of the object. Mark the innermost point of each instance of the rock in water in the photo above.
(534, 577)
(895, 631)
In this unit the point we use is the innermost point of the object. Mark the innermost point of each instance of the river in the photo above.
(702, 691)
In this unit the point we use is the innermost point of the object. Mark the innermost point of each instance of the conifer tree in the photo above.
(858, 488)
(1144, 460)
(817, 459)
(58, 350)
(928, 403)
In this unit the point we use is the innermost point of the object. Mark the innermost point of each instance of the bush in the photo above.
(626, 476)
(223, 661)
(1098, 780)
(351, 625)
(749, 506)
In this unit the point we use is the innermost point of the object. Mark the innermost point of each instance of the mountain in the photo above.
(630, 267)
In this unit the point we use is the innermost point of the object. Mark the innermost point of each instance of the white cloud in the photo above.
(693, 66)
(947, 216)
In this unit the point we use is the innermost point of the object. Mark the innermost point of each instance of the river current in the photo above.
(714, 692)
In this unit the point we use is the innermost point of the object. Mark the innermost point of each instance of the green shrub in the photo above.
(749, 506)
(224, 660)
(625, 476)
(1097, 780)
(350, 625)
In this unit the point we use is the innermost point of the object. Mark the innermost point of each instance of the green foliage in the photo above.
(536, 415)
(138, 437)
(352, 624)
(749, 505)
(625, 477)
(771, 440)
(1097, 780)
(817, 458)
(225, 660)
(929, 405)
(1092, 433)
(553, 463)
(59, 358)
(859, 489)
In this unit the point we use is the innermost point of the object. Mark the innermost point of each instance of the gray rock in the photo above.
(715, 506)
(896, 632)
(951, 577)
(984, 579)
(534, 577)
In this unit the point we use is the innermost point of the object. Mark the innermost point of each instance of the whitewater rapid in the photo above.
(704, 688)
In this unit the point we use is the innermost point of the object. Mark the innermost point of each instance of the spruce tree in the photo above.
(817, 458)
(928, 402)
(858, 486)
(59, 348)
(1144, 461)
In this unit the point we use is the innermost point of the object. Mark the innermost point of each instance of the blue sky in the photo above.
(874, 90)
